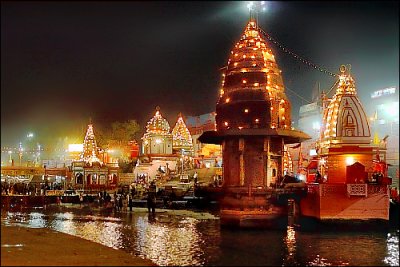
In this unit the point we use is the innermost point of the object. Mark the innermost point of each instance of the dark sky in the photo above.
(65, 62)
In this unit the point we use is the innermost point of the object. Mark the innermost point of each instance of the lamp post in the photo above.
(20, 149)
(9, 153)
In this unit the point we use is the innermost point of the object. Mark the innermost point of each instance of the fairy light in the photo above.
(245, 55)
(181, 137)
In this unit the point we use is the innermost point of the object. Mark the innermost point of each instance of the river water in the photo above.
(196, 239)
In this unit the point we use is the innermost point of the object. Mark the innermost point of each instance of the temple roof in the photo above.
(289, 136)
(90, 149)
(344, 120)
(252, 93)
(157, 124)
(181, 135)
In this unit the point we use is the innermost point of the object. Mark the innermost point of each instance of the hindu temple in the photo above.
(253, 125)
(90, 172)
(163, 150)
(354, 182)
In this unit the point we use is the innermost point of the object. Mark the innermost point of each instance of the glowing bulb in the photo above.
(349, 161)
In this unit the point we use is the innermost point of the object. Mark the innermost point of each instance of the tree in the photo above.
(118, 133)
(125, 131)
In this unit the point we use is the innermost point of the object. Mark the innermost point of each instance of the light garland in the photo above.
(90, 149)
(345, 88)
(181, 135)
(251, 56)
(307, 62)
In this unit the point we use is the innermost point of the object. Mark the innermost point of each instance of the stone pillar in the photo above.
(241, 160)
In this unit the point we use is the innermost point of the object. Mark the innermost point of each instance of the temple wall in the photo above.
(231, 159)
(254, 161)
(337, 165)
(327, 201)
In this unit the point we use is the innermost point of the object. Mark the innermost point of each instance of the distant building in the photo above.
(205, 155)
(164, 151)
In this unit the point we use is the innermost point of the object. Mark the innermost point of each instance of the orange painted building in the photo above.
(353, 184)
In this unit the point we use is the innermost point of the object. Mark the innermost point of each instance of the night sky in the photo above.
(65, 62)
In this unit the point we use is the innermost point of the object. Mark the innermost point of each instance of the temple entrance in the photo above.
(79, 178)
(272, 172)
(88, 179)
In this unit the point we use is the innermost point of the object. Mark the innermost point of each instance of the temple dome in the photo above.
(157, 124)
(344, 120)
(252, 93)
(182, 138)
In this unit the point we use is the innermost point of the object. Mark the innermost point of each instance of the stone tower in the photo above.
(253, 124)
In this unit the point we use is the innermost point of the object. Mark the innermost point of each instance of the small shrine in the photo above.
(346, 151)
(349, 174)
(90, 171)
(182, 142)
(157, 139)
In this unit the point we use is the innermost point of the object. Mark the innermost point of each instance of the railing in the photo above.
(357, 190)
(332, 189)
(375, 189)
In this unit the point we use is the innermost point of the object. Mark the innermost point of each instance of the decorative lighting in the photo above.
(349, 161)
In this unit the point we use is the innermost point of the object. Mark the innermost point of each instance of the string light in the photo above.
(284, 49)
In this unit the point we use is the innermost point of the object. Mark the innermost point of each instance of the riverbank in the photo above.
(22, 246)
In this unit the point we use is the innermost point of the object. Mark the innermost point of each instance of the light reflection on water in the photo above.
(181, 240)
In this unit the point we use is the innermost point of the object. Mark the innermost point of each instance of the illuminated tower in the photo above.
(90, 150)
(253, 124)
(182, 140)
(345, 134)
(253, 87)
(157, 139)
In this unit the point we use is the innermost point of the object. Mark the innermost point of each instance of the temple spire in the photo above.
(255, 7)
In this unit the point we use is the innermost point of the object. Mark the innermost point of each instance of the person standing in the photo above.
(124, 202)
(81, 199)
(130, 201)
(151, 197)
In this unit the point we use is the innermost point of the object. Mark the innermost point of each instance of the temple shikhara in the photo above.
(90, 172)
(353, 183)
(164, 151)
(253, 125)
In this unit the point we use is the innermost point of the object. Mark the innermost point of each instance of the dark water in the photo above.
(192, 240)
